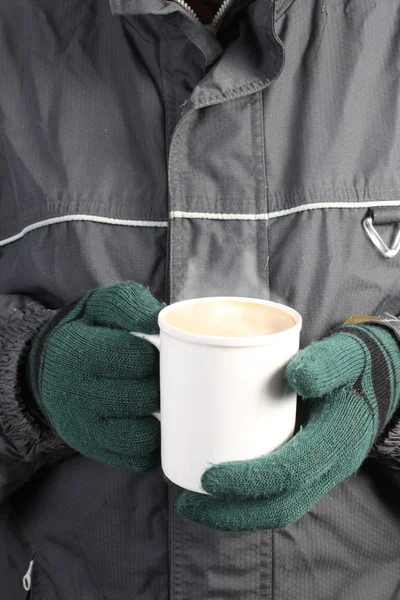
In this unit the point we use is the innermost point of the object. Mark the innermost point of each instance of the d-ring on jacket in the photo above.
(138, 144)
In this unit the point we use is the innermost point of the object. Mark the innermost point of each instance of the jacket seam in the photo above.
(266, 191)
(178, 214)
(175, 214)
(81, 218)
(282, 9)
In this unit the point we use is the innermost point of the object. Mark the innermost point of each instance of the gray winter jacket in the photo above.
(250, 158)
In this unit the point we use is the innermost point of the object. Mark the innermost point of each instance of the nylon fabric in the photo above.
(245, 572)
(100, 525)
(338, 101)
(83, 256)
(307, 559)
(45, 117)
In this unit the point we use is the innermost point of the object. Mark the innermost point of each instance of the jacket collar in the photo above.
(145, 7)
(249, 64)
(164, 7)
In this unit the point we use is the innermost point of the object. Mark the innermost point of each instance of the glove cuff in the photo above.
(382, 342)
(387, 447)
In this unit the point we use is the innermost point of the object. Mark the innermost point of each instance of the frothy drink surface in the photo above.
(228, 318)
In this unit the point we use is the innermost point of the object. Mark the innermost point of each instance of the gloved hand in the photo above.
(95, 383)
(351, 382)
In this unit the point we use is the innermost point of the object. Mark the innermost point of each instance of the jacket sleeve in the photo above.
(25, 443)
(387, 448)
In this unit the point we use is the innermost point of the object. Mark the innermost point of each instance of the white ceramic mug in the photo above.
(222, 398)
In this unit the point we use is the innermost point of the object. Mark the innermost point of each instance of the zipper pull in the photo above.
(27, 580)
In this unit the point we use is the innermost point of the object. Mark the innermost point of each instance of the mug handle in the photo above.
(155, 340)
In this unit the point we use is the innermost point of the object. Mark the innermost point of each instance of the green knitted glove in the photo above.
(352, 381)
(95, 383)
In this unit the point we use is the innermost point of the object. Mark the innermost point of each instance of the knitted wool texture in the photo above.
(96, 384)
(351, 382)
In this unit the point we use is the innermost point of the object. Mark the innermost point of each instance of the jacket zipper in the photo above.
(216, 22)
(27, 578)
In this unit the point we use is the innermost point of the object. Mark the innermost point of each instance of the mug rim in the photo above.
(231, 341)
